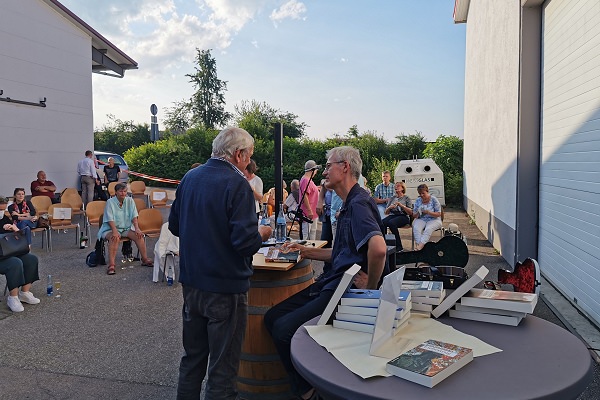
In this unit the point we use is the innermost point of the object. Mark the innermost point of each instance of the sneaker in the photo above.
(28, 297)
(14, 304)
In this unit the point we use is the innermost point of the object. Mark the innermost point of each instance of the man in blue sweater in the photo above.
(214, 217)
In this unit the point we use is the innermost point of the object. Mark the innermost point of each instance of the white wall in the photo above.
(491, 118)
(43, 55)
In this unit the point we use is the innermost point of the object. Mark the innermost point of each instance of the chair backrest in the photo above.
(150, 220)
(140, 204)
(94, 210)
(74, 199)
(111, 188)
(68, 190)
(41, 204)
(60, 218)
(137, 187)
(158, 197)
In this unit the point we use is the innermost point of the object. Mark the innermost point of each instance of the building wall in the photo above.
(491, 119)
(43, 55)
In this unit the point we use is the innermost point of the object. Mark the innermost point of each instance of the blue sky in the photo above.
(389, 66)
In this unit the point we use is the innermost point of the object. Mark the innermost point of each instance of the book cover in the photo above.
(342, 287)
(368, 319)
(430, 362)
(370, 298)
(501, 299)
(372, 311)
(421, 307)
(424, 288)
(274, 254)
(477, 277)
(428, 300)
(486, 317)
(365, 326)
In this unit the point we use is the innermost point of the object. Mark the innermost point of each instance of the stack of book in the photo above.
(495, 306)
(357, 310)
(425, 295)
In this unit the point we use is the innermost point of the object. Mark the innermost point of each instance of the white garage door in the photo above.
(569, 220)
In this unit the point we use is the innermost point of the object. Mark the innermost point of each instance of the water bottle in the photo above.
(170, 276)
(49, 286)
(264, 220)
(83, 241)
(280, 228)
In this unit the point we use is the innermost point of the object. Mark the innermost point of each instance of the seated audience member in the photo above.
(398, 212)
(112, 172)
(383, 192)
(120, 220)
(23, 213)
(359, 241)
(427, 216)
(43, 187)
(255, 183)
(270, 198)
(20, 272)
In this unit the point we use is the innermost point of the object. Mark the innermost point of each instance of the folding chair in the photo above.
(74, 199)
(60, 219)
(158, 198)
(41, 204)
(93, 212)
(138, 191)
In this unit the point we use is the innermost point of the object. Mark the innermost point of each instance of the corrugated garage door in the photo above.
(569, 221)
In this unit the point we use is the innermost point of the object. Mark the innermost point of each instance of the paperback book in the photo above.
(367, 327)
(364, 318)
(430, 362)
(501, 300)
(477, 277)
(370, 298)
(432, 289)
(486, 317)
(274, 254)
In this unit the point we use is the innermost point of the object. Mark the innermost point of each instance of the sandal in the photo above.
(148, 263)
(110, 270)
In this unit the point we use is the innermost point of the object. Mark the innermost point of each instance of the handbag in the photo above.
(452, 277)
(13, 244)
(43, 221)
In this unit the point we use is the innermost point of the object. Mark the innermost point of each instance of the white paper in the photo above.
(344, 284)
(352, 348)
(62, 213)
(386, 312)
(158, 196)
(460, 291)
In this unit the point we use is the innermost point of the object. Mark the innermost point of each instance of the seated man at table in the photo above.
(120, 220)
(43, 187)
(358, 241)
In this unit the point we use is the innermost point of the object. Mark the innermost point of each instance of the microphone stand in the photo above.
(298, 214)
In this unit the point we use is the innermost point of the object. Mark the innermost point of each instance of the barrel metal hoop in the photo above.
(282, 283)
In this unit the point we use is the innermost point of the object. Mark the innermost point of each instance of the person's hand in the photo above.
(116, 236)
(265, 232)
(34, 218)
(319, 211)
(361, 279)
(8, 227)
(291, 246)
(139, 233)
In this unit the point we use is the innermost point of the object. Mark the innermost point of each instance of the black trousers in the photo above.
(394, 222)
(20, 270)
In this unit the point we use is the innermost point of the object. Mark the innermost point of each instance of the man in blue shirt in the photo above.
(214, 216)
(358, 241)
(383, 192)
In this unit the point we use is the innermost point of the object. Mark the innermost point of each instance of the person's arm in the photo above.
(376, 254)
(310, 252)
(321, 200)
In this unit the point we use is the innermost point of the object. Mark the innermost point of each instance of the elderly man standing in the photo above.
(218, 237)
(358, 241)
(86, 169)
(43, 187)
(120, 220)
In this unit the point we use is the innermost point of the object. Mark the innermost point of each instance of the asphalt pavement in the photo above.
(119, 337)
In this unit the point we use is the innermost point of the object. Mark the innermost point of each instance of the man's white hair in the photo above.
(229, 140)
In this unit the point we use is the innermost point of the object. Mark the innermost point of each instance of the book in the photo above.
(367, 327)
(415, 306)
(370, 311)
(364, 318)
(501, 300)
(430, 362)
(424, 288)
(462, 307)
(274, 254)
(342, 287)
(370, 298)
(486, 317)
(453, 297)
(428, 300)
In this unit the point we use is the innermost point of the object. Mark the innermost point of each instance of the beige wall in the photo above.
(492, 119)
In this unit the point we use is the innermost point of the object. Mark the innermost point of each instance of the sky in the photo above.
(390, 66)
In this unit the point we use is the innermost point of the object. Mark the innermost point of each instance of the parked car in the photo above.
(102, 158)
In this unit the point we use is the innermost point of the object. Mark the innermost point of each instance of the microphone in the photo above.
(316, 167)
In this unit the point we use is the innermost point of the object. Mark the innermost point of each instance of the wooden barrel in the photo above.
(261, 375)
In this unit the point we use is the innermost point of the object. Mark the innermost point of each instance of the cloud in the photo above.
(343, 60)
(254, 43)
(292, 10)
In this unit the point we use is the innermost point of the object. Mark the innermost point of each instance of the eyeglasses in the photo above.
(329, 164)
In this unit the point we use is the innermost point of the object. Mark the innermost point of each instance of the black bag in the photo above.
(100, 252)
(91, 259)
(452, 277)
(43, 221)
(13, 244)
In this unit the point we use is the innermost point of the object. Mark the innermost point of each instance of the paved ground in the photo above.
(118, 337)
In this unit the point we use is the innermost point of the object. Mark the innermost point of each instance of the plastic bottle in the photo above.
(170, 276)
(49, 286)
(280, 234)
(264, 219)
(83, 241)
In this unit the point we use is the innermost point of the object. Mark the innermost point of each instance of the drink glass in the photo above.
(57, 288)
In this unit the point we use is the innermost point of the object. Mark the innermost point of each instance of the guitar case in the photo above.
(525, 278)
(445, 259)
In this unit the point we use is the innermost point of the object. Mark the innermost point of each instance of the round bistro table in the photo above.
(539, 360)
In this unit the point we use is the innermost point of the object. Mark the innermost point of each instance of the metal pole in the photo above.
(278, 139)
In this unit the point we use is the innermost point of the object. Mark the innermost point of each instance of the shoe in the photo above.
(148, 263)
(28, 297)
(14, 304)
(110, 270)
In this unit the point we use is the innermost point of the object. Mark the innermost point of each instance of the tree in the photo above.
(179, 117)
(207, 104)
(259, 119)
(447, 152)
(409, 146)
(117, 136)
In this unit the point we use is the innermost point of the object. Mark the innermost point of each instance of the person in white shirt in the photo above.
(255, 183)
(86, 169)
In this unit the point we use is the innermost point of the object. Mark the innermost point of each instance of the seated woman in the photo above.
(427, 216)
(120, 220)
(23, 213)
(398, 211)
(20, 271)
